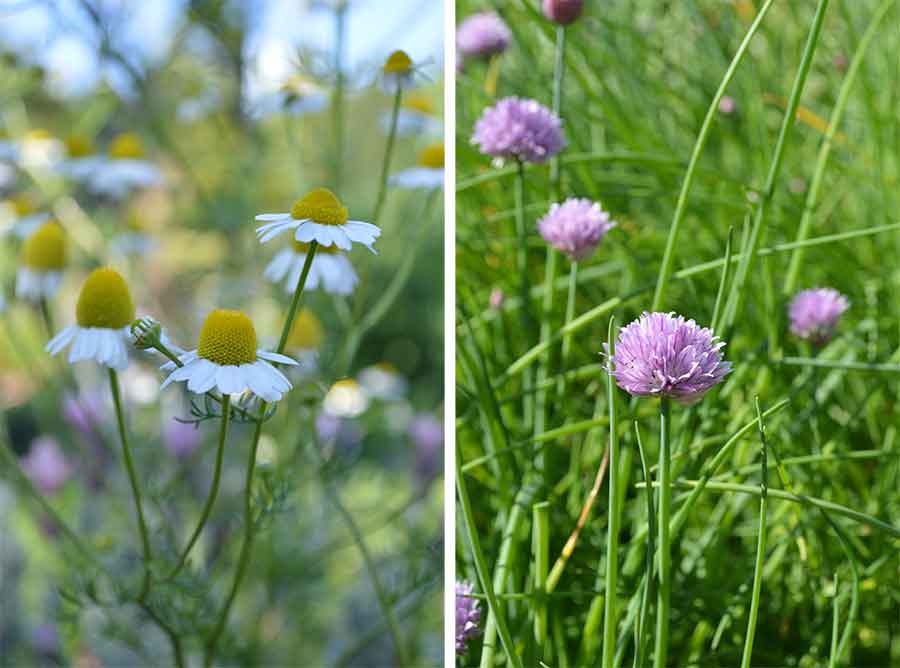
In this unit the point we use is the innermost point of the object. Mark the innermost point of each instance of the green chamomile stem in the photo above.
(663, 597)
(760, 546)
(213, 490)
(668, 260)
(570, 316)
(612, 534)
(244, 558)
(388, 154)
(132, 479)
(47, 317)
(295, 300)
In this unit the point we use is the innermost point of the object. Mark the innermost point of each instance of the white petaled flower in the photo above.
(19, 216)
(103, 314)
(383, 381)
(42, 262)
(345, 399)
(123, 170)
(227, 359)
(428, 174)
(399, 73)
(298, 96)
(40, 150)
(320, 217)
(416, 116)
(330, 269)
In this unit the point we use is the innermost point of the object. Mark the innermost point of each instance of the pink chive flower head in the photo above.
(815, 313)
(519, 129)
(468, 615)
(563, 12)
(46, 465)
(481, 36)
(664, 355)
(575, 227)
(727, 105)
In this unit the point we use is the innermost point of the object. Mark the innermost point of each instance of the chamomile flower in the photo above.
(42, 262)
(298, 96)
(40, 150)
(20, 216)
(124, 169)
(304, 340)
(345, 399)
(81, 158)
(383, 381)
(416, 116)
(104, 313)
(134, 239)
(428, 174)
(226, 358)
(330, 270)
(319, 216)
(399, 72)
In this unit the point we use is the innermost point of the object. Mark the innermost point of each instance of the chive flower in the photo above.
(482, 36)
(519, 129)
(575, 227)
(468, 615)
(815, 313)
(563, 12)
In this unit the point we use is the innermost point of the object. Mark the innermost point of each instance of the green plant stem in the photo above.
(567, 338)
(295, 300)
(664, 594)
(388, 154)
(559, 72)
(760, 545)
(213, 490)
(47, 317)
(647, 594)
(612, 532)
(524, 291)
(681, 206)
(540, 548)
(337, 100)
(133, 480)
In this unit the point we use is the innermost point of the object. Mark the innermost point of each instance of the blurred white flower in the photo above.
(346, 399)
(115, 175)
(43, 259)
(330, 270)
(20, 217)
(297, 96)
(383, 381)
(416, 116)
(40, 150)
(428, 174)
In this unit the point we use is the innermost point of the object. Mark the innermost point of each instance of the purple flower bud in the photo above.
(727, 105)
(815, 313)
(427, 434)
(519, 129)
(181, 439)
(575, 227)
(664, 355)
(482, 35)
(46, 465)
(563, 12)
(468, 616)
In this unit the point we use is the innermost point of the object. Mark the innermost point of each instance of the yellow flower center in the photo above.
(306, 333)
(78, 146)
(22, 204)
(105, 301)
(420, 103)
(227, 338)
(126, 146)
(398, 62)
(38, 134)
(386, 367)
(303, 247)
(432, 157)
(320, 206)
(45, 250)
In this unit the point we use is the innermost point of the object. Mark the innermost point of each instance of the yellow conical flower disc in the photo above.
(126, 145)
(398, 62)
(306, 332)
(105, 301)
(78, 146)
(45, 250)
(432, 157)
(420, 103)
(320, 206)
(227, 338)
(303, 247)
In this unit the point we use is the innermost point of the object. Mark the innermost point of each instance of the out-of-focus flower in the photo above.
(664, 355)
(383, 381)
(123, 170)
(330, 269)
(297, 96)
(40, 150)
(19, 216)
(468, 616)
(45, 639)
(563, 12)
(519, 129)
(180, 438)
(575, 227)
(46, 465)
(840, 61)
(481, 36)
(104, 314)
(199, 106)
(427, 174)
(319, 216)
(134, 239)
(417, 115)
(427, 434)
(43, 259)
(345, 399)
(727, 105)
(495, 301)
(343, 432)
(304, 340)
(227, 358)
(815, 313)
(399, 72)
(85, 412)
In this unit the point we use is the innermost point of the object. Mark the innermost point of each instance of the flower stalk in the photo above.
(664, 593)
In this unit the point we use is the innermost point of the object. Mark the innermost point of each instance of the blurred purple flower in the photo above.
(664, 355)
(344, 433)
(468, 615)
(427, 434)
(519, 129)
(84, 412)
(563, 12)
(727, 105)
(45, 639)
(815, 313)
(181, 439)
(575, 227)
(46, 465)
(482, 35)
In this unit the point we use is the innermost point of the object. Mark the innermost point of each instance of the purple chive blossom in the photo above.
(518, 129)
(482, 35)
(727, 105)
(575, 227)
(46, 465)
(563, 12)
(468, 615)
(664, 355)
(815, 313)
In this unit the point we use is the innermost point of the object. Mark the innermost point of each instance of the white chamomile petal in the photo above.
(108, 347)
(276, 357)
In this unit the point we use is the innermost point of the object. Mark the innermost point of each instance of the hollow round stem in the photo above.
(663, 597)
(612, 535)
(213, 490)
